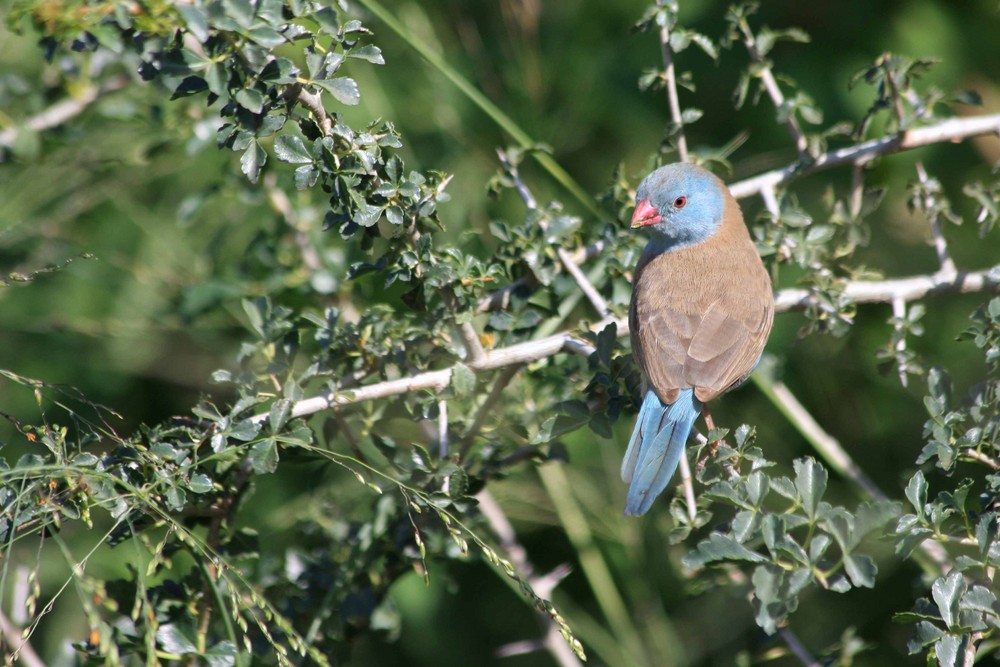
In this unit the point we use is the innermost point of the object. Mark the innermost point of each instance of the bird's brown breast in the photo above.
(700, 315)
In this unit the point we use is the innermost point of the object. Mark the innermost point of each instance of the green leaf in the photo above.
(290, 148)
(810, 483)
(217, 78)
(281, 410)
(250, 99)
(463, 380)
(720, 547)
(924, 634)
(176, 498)
(916, 493)
(947, 593)
(368, 52)
(253, 159)
(195, 19)
(606, 339)
(343, 89)
(200, 483)
(861, 569)
(245, 430)
(949, 648)
(981, 599)
(174, 640)
(266, 36)
(264, 456)
(776, 594)
(222, 654)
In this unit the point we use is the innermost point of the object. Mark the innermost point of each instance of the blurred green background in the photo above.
(175, 232)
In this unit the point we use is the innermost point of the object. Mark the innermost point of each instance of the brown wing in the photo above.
(699, 319)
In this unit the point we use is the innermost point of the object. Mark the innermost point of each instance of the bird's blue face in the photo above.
(680, 204)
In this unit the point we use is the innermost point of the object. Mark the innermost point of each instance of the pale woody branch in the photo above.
(953, 129)
(672, 98)
(904, 289)
(861, 291)
(875, 291)
(64, 110)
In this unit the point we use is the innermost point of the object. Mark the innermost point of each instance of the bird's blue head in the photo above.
(680, 204)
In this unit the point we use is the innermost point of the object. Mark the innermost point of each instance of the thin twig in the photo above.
(282, 205)
(314, 104)
(773, 91)
(571, 266)
(688, 485)
(506, 375)
(770, 200)
(824, 443)
(982, 458)
(899, 313)
(953, 129)
(798, 648)
(475, 354)
(672, 98)
(443, 431)
(23, 653)
(552, 642)
(940, 243)
(596, 300)
(63, 110)
(857, 188)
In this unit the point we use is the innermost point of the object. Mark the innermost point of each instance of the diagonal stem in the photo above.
(673, 100)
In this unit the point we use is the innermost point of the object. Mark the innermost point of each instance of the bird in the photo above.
(701, 312)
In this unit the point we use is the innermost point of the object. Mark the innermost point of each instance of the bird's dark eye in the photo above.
(680, 202)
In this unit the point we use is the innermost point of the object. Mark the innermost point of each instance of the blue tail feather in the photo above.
(656, 447)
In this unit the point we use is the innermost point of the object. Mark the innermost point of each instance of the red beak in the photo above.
(644, 215)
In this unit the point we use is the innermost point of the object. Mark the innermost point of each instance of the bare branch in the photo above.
(521, 353)
(553, 641)
(470, 337)
(953, 129)
(443, 431)
(506, 375)
(63, 110)
(861, 291)
(773, 91)
(568, 262)
(940, 244)
(672, 99)
(899, 313)
(688, 486)
(314, 104)
(797, 648)
(905, 289)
